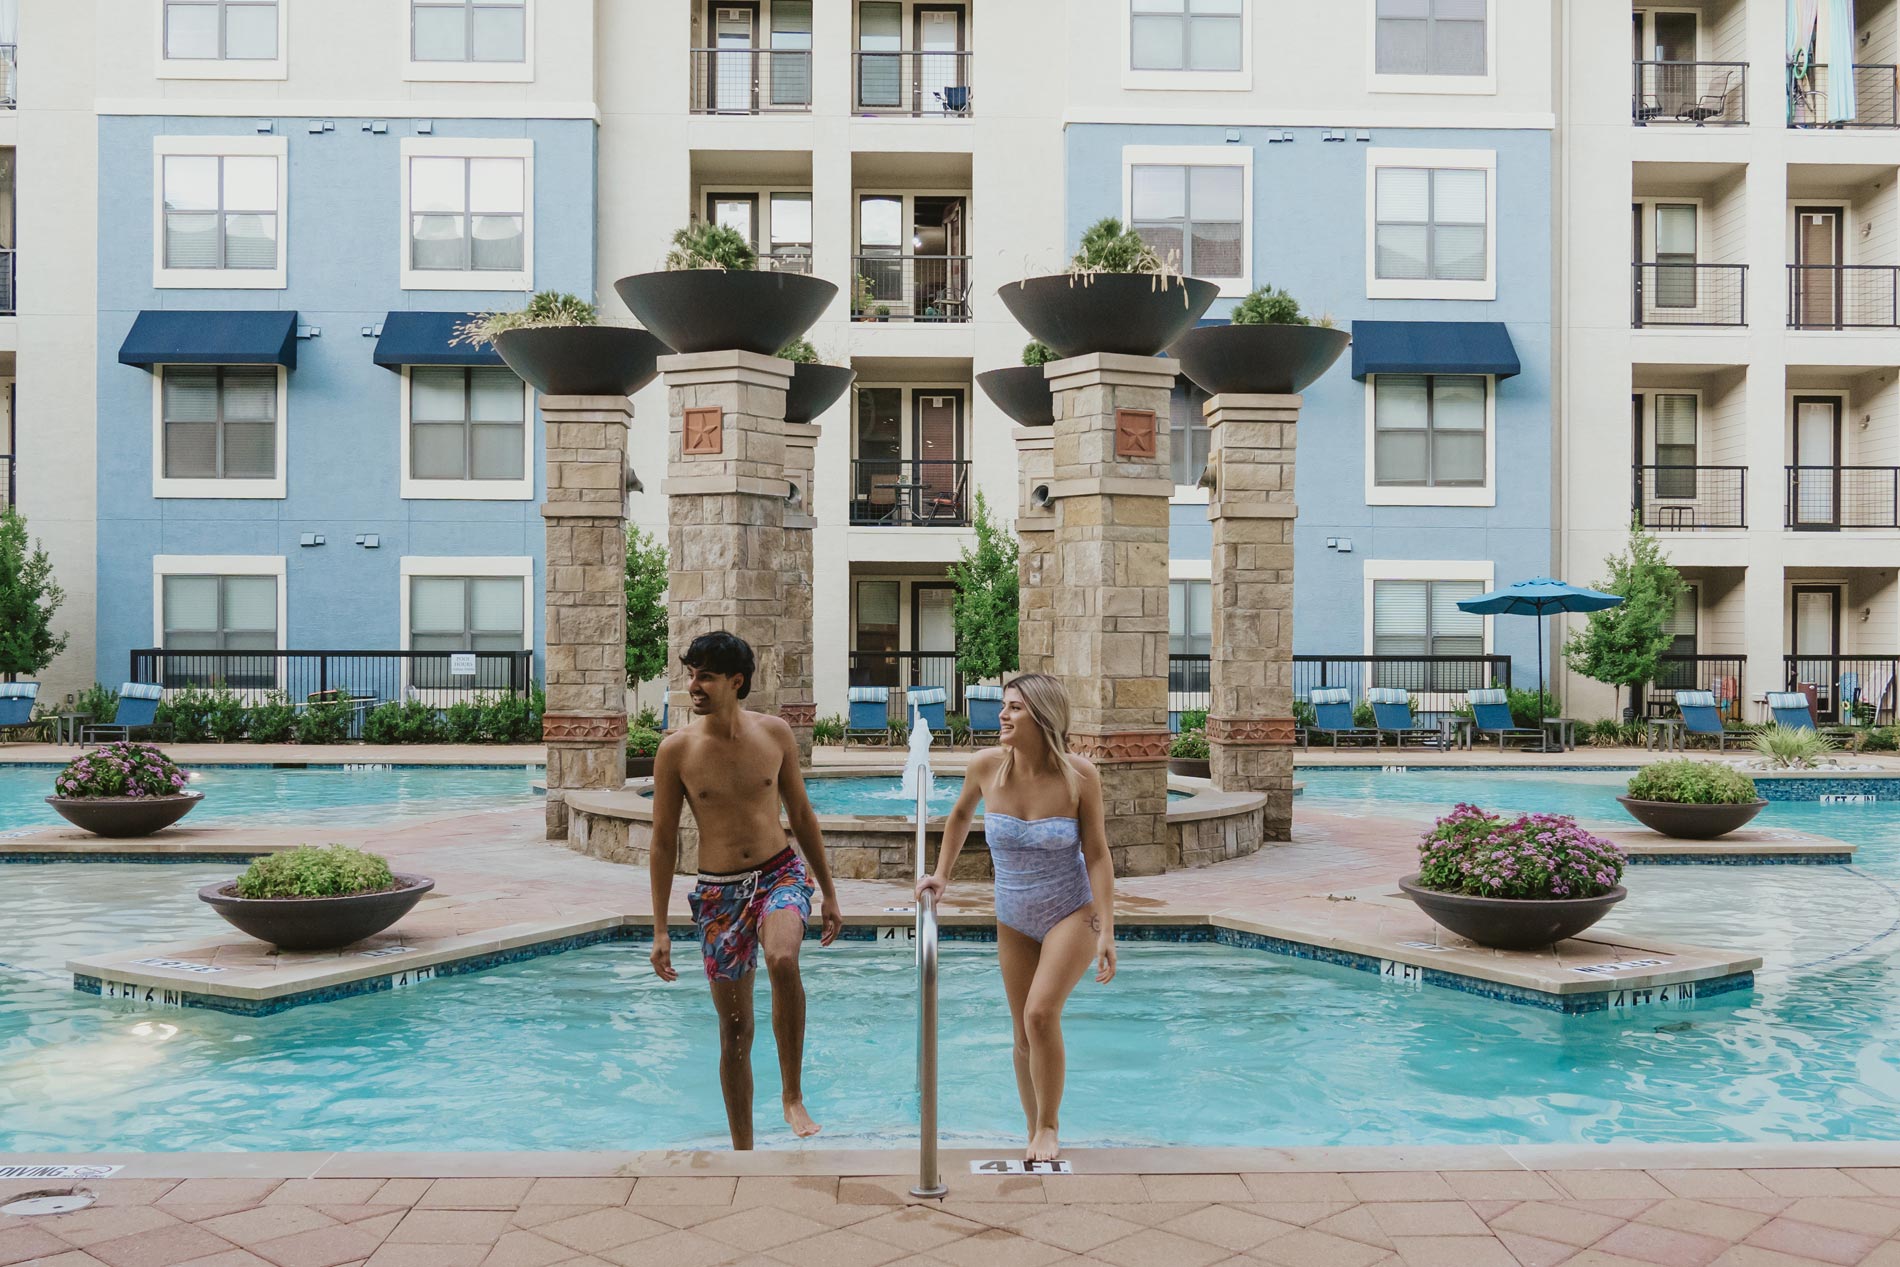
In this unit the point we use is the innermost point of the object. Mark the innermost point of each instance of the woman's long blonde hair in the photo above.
(1048, 706)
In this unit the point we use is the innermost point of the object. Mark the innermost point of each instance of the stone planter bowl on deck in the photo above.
(1509, 923)
(1258, 360)
(1134, 314)
(1022, 392)
(582, 360)
(315, 923)
(1691, 822)
(714, 310)
(814, 389)
(120, 817)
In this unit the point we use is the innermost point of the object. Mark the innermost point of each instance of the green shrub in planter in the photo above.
(828, 730)
(271, 719)
(1193, 719)
(326, 721)
(1189, 745)
(379, 724)
(509, 719)
(226, 718)
(1683, 782)
(643, 743)
(184, 715)
(306, 871)
(462, 721)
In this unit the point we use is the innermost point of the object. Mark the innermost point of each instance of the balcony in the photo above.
(1690, 498)
(750, 81)
(911, 288)
(1720, 675)
(1844, 689)
(9, 76)
(8, 304)
(903, 671)
(910, 493)
(912, 83)
(1843, 296)
(9, 468)
(1828, 498)
(1697, 295)
(1876, 99)
(1699, 93)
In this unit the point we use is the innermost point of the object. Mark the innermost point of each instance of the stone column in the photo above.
(797, 704)
(585, 725)
(1035, 559)
(1250, 720)
(1111, 486)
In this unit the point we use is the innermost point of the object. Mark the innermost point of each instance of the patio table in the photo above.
(1664, 732)
(1565, 735)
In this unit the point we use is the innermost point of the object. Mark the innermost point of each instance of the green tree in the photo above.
(646, 607)
(1621, 645)
(28, 598)
(986, 608)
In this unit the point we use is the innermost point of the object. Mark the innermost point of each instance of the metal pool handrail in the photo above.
(929, 1178)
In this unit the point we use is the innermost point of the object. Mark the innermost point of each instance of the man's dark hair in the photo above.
(722, 653)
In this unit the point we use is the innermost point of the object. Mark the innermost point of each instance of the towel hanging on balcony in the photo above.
(1842, 106)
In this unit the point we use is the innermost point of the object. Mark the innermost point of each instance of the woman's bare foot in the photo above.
(1043, 1145)
(800, 1121)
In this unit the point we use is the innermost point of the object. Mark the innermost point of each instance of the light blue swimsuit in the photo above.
(1040, 876)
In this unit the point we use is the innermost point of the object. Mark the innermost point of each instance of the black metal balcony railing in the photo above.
(9, 468)
(786, 259)
(9, 303)
(912, 82)
(1876, 99)
(1689, 92)
(366, 678)
(9, 74)
(1843, 296)
(1688, 295)
(750, 80)
(1844, 689)
(911, 288)
(1823, 498)
(1687, 498)
(901, 670)
(910, 493)
(1190, 682)
(1720, 675)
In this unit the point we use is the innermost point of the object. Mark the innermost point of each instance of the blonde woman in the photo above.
(1055, 884)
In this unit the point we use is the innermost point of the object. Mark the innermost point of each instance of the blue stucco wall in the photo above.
(1309, 237)
(344, 412)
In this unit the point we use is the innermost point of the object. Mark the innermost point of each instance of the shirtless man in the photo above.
(735, 767)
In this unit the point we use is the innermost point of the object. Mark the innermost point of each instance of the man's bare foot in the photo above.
(1043, 1145)
(800, 1121)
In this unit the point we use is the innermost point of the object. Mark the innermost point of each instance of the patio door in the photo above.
(937, 446)
(939, 36)
(1817, 254)
(933, 633)
(956, 288)
(738, 212)
(1817, 643)
(1671, 40)
(735, 37)
(1816, 492)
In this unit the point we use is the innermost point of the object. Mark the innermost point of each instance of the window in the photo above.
(220, 422)
(1675, 445)
(1429, 429)
(1681, 626)
(467, 204)
(220, 30)
(468, 30)
(1187, 439)
(214, 615)
(466, 425)
(1186, 35)
(1190, 618)
(220, 211)
(790, 60)
(1192, 216)
(1432, 211)
(1422, 618)
(791, 233)
(465, 613)
(1431, 37)
(1675, 255)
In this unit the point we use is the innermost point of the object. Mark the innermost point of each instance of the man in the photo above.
(735, 767)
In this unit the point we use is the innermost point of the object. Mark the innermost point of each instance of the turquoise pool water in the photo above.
(317, 796)
(872, 796)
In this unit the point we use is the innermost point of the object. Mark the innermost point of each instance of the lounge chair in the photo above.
(1700, 716)
(869, 715)
(16, 705)
(1790, 708)
(1491, 719)
(986, 712)
(1332, 717)
(929, 701)
(138, 708)
(1392, 715)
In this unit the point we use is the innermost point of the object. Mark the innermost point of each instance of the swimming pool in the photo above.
(317, 795)
(871, 796)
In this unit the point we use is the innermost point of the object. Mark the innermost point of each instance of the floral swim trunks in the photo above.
(730, 910)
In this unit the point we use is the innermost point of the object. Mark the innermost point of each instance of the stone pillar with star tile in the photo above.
(1250, 504)
(1035, 557)
(1110, 486)
(796, 704)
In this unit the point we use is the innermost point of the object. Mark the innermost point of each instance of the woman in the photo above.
(1055, 884)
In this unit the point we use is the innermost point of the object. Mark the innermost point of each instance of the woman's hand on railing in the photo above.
(930, 884)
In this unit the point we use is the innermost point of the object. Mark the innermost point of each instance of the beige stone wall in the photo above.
(1035, 559)
(795, 656)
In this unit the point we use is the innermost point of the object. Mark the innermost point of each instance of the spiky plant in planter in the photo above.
(709, 296)
(1793, 747)
(557, 344)
(546, 310)
(1118, 294)
(1267, 306)
(815, 385)
(705, 245)
(1107, 246)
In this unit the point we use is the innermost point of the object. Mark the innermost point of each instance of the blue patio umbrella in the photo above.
(1539, 597)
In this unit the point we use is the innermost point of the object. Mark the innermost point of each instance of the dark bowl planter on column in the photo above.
(1692, 822)
(1135, 314)
(582, 360)
(814, 389)
(315, 923)
(1191, 767)
(120, 817)
(1022, 392)
(712, 310)
(1258, 360)
(1510, 923)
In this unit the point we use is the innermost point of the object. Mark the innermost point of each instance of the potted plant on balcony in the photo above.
(1691, 800)
(1271, 349)
(1022, 391)
(121, 790)
(1518, 885)
(1118, 295)
(710, 296)
(316, 899)
(815, 386)
(1188, 755)
(557, 346)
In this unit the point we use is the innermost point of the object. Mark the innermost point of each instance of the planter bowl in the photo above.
(1133, 314)
(315, 923)
(1691, 822)
(120, 817)
(639, 767)
(1507, 923)
(1022, 392)
(712, 310)
(1258, 360)
(814, 389)
(582, 360)
(1190, 767)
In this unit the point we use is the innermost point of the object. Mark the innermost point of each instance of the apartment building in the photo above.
(1734, 389)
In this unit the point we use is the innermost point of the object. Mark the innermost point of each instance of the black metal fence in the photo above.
(750, 80)
(1876, 98)
(1689, 92)
(1190, 683)
(911, 288)
(1687, 498)
(366, 678)
(1823, 498)
(910, 493)
(1721, 675)
(8, 468)
(1689, 295)
(1843, 296)
(913, 82)
(1845, 688)
(906, 670)
(1437, 682)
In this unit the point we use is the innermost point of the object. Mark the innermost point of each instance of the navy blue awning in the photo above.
(1432, 347)
(423, 338)
(166, 337)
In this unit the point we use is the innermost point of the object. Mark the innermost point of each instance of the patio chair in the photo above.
(1491, 719)
(869, 713)
(1791, 709)
(929, 701)
(947, 505)
(986, 712)
(16, 705)
(954, 99)
(1700, 716)
(138, 709)
(1392, 715)
(1332, 717)
(1708, 105)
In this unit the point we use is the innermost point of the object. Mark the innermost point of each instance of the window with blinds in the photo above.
(213, 616)
(219, 422)
(1675, 430)
(790, 61)
(468, 30)
(464, 613)
(1428, 430)
(1681, 626)
(1431, 37)
(1190, 618)
(220, 30)
(467, 214)
(1422, 618)
(1432, 224)
(1192, 216)
(1185, 34)
(466, 423)
(221, 211)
